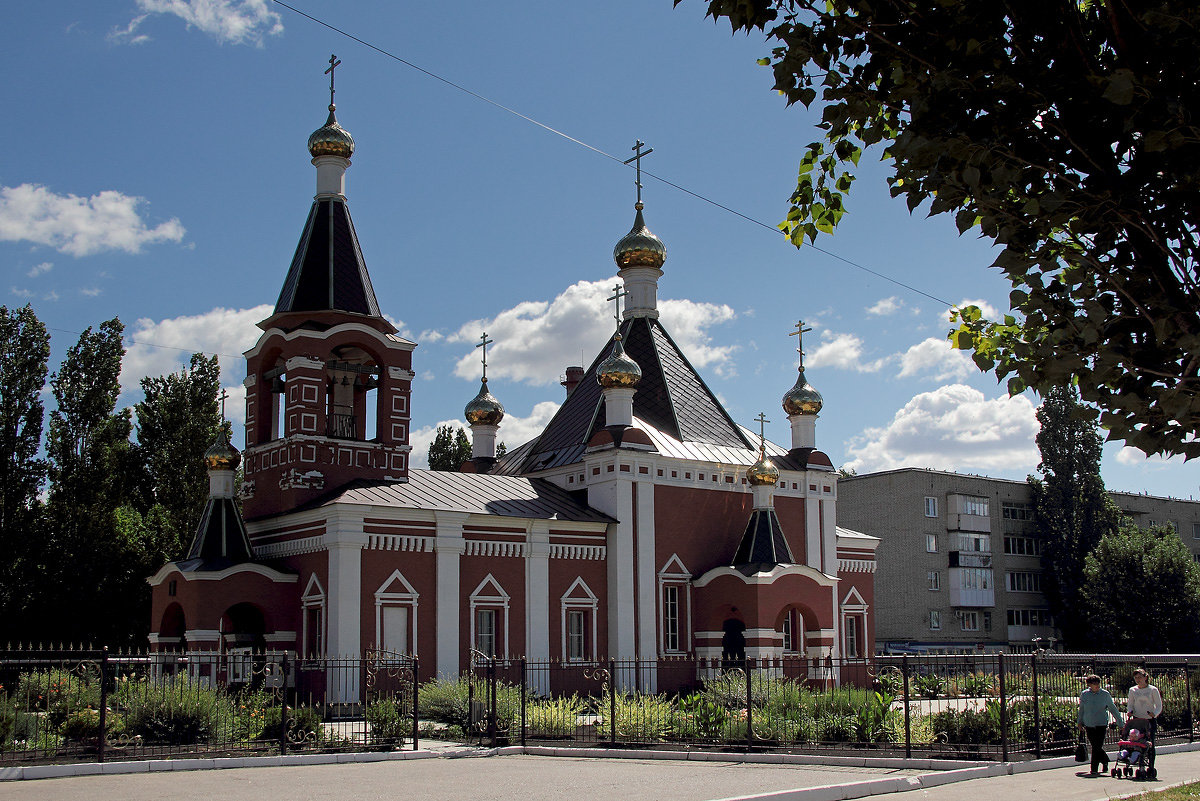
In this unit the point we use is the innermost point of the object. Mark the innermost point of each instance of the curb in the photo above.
(941, 771)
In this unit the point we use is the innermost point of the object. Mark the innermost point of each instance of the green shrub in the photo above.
(641, 718)
(304, 725)
(700, 717)
(833, 727)
(389, 722)
(928, 685)
(977, 685)
(1121, 679)
(58, 692)
(83, 725)
(447, 701)
(872, 719)
(966, 726)
(556, 717)
(891, 682)
(176, 710)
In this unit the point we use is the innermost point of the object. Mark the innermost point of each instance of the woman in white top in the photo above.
(1145, 701)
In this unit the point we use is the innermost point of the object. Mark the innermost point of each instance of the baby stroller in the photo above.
(1135, 755)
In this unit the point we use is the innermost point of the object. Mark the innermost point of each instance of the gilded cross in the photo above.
(223, 396)
(483, 343)
(637, 159)
(618, 293)
(799, 334)
(334, 63)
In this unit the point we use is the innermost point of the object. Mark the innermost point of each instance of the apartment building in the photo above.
(959, 562)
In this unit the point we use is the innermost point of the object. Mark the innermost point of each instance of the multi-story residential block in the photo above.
(959, 562)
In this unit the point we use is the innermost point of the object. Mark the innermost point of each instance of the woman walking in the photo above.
(1145, 701)
(1095, 706)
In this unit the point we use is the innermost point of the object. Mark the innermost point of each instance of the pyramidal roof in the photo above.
(763, 545)
(220, 540)
(328, 272)
(671, 396)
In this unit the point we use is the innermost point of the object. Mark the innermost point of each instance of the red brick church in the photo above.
(643, 522)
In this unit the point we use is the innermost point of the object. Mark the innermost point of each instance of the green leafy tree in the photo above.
(1072, 509)
(449, 449)
(176, 423)
(1141, 592)
(1067, 132)
(24, 350)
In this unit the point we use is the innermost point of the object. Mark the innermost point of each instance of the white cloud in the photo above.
(227, 21)
(954, 427)
(841, 351)
(886, 306)
(22, 293)
(91, 292)
(514, 431)
(38, 269)
(79, 226)
(934, 355)
(51, 295)
(430, 336)
(1133, 457)
(989, 311)
(536, 340)
(166, 346)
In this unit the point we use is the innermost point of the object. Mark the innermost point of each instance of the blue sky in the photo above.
(157, 171)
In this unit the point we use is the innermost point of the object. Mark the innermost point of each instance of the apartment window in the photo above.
(1023, 546)
(1196, 531)
(935, 580)
(974, 505)
(930, 506)
(931, 543)
(968, 621)
(485, 631)
(967, 541)
(1024, 581)
(975, 578)
(935, 620)
(577, 635)
(671, 617)
(1016, 511)
(1029, 617)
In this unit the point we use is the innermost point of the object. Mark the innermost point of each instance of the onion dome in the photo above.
(331, 139)
(639, 247)
(618, 370)
(762, 473)
(221, 455)
(802, 398)
(484, 409)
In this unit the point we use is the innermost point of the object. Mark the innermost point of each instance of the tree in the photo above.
(1072, 510)
(449, 449)
(24, 350)
(1068, 133)
(1141, 592)
(176, 423)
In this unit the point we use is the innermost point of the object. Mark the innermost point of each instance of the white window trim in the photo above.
(934, 506)
(589, 603)
(407, 596)
(854, 605)
(934, 578)
(676, 573)
(498, 599)
(929, 619)
(313, 598)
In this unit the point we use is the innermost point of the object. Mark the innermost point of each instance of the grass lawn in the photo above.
(1188, 792)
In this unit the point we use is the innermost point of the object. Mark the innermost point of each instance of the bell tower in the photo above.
(328, 383)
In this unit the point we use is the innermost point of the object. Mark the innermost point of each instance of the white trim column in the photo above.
(812, 526)
(537, 590)
(829, 535)
(448, 547)
(344, 540)
(647, 605)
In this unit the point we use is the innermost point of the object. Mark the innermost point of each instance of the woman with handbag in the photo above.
(1095, 706)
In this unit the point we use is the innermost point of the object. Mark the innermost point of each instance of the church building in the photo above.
(642, 523)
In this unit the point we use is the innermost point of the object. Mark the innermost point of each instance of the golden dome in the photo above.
(802, 398)
(484, 409)
(639, 247)
(331, 139)
(221, 455)
(618, 370)
(762, 473)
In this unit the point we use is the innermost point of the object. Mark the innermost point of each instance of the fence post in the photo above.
(283, 708)
(1187, 684)
(491, 678)
(524, 699)
(101, 738)
(416, 691)
(749, 706)
(612, 701)
(1003, 710)
(1037, 710)
(907, 716)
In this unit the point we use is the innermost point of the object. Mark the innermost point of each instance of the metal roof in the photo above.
(328, 271)
(474, 493)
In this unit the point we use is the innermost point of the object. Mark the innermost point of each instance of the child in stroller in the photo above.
(1136, 755)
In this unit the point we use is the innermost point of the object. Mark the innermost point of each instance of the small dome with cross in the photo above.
(639, 247)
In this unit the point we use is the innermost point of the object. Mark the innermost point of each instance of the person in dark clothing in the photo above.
(1095, 706)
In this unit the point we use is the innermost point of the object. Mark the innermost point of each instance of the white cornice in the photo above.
(389, 342)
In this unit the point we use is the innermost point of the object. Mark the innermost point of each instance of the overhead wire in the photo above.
(601, 152)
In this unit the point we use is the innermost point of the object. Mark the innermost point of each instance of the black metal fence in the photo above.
(95, 706)
(985, 706)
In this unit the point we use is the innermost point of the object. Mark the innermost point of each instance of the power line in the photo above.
(601, 152)
(154, 345)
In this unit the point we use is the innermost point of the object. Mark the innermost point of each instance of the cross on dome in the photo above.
(618, 293)
(799, 334)
(483, 343)
(224, 394)
(334, 63)
(637, 160)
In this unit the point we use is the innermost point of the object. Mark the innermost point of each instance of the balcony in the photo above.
(970, 559)
(972, 587)
(341, 426)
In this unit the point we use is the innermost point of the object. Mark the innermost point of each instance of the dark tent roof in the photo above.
(220, 540)
(763, 545)
(328, 271)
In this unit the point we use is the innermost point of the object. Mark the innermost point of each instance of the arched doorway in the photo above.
(243, 630)
(733, 640)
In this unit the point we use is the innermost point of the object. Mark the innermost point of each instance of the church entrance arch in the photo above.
(243, 634)
(172, 629)
(733, 640)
